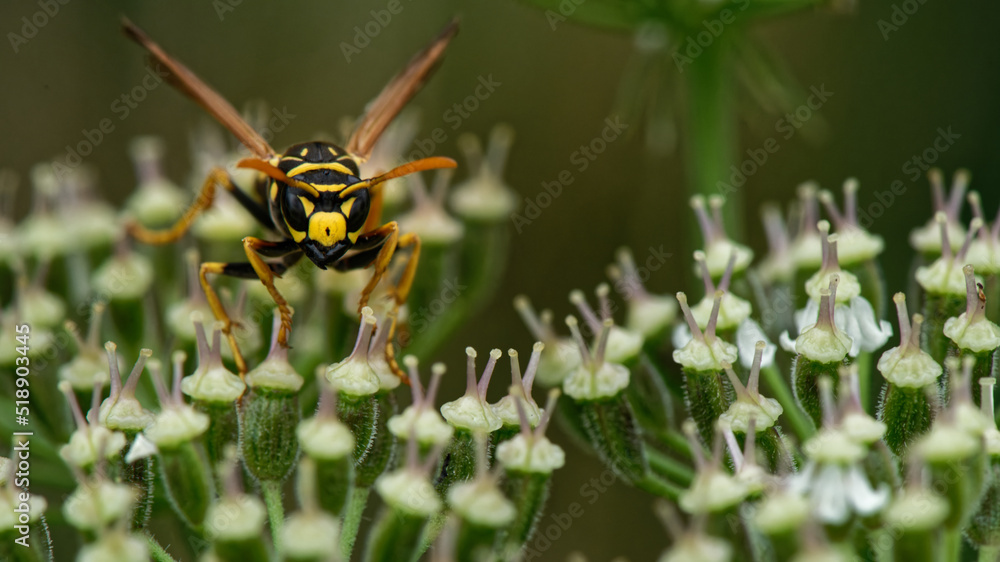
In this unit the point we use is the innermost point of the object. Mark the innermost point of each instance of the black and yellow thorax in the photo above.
(331, 221)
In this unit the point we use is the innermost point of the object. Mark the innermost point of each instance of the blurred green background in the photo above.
(557, 86)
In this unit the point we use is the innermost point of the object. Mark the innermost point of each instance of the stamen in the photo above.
(194, 284)
(690, 429)
(825, 309)
(734, 379)
(515, 369)
(327, 407)
(727, 276)
(774, 229)
(529, 373)
(178, 358)
(589, 316)
(501, 139)
(704, 223)
(986, 397)
(824, 229)
(904, 318)
(363, 343)
(67, 389)
(974, 227)
(688, 317)
(216, 356)
(826, 198)
(415, 387)
(574, 329)
(305, 486)
(750, 448)
(472, 150)
(937, 189)
(706, 277)
(810, 210)
(851, 201)
(603, 301)
(713, 318)
(116, 377)
(716, 202)
(94, 329)
(419, 187)
(484, 382)
(975, 300)
(753, 381)
(942, 221)
(546, 417)
(162, 394)
(831, 254)
(133, 377)
(470, 373)
(204, 352)
(439, 191)
(522, 416)
(602, 341)
(630, 274)
(668, 515)
(530, 319)
(918, 321)
(977, 213)
(733, 446)
(959, 183)
(437, 371)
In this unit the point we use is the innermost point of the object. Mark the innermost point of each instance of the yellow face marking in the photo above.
(274, 191)
(327, 228)
(297, 235)
(332, 151)
(310, 166)
(307, 205)
(303, 152)
(345, 207)
(353, 236)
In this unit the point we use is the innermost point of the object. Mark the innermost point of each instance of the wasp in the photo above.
(317, 205)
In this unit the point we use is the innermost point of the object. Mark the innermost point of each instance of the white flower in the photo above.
(856, 319)
(835, 491)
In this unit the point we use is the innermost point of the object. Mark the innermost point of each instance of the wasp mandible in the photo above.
(317, 205)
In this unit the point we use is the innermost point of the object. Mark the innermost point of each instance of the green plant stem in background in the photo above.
(801, 424)
(711, 127)
(356, 503)
(951, 540)
(864, 363)
(157, 552)
(659, 487)
(669, 467)
(271, 490)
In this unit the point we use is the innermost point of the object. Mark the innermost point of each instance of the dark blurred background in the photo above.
(937, 70)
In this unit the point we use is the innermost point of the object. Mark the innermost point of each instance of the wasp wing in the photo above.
(396, 94)
(186, 81)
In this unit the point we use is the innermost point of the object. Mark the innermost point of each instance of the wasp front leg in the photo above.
(257, 268)
(379, 246)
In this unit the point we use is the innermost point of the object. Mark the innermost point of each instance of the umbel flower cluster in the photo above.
(774, 415)
(772, 418)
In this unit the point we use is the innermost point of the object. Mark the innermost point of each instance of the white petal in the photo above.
(846, 322)
(681, 336)
(141, 448)
(799, 482)
(860, 493)
(873, 333)
(806, 317)
(787, 343)
(828, 497)
(747, 335)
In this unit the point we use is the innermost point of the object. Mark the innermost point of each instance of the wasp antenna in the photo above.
(432, 163)
(275, 173)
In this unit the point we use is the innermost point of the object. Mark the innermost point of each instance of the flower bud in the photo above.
(560, 356)
(126, 279)
(648, 315)
(84, 443)
(87, 367)
(236, 519)
(972, 334)
(157, 202)
(927, 239)
(507, 408)
(328, 443)
(421, 418)
(270, 414)
(718, 247)
(482, 509)
(821, 349)
(310, 535)
(484, 197)
(117, 545)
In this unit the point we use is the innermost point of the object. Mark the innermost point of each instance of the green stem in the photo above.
(711, 125)
(658, 487)
(669, 467)
(275, 511)
(158, 553)
(352, 520)
(801, 425)
(988, 553)
(864, 363)
(952, 543)
(675, 441)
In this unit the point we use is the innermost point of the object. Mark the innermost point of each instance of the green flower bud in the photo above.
(807, 247)
(984, 252)
(927, 239)
(623, 346)
(713, 490)
(848, 286)
(98, 503)
(971, 333)
(910, 374)
(821, 350)
(211, 382)
(732, 310)
(88, 440)
(648, 315)
(915, 516)
(157, 201)
(121, 411)
(421, 419)
(857, 245)
(354, 376)
(507, 408)
(116, 545)
(329, 444)
(484, 197)
(87, 367)
(560, 356)
(719, 249)
(703, 358)
(310, 535)
(237, 519)
(126, 278)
